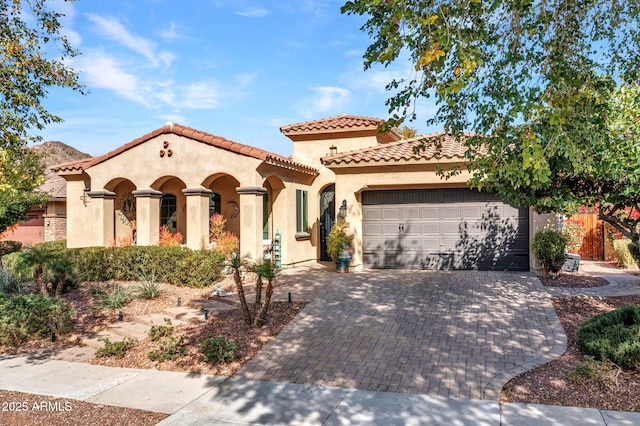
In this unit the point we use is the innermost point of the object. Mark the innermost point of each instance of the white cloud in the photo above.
(170, 34)
(112, 29)
(99, 70)
(203, 95)
(102, 71)
(330, 98)
(253, 12)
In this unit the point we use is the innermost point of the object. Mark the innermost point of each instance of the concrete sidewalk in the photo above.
(193, 399)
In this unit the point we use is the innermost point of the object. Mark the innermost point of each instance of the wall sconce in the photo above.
(343, 210)
(333, 150)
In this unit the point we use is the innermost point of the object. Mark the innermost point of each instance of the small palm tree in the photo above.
(268, 271)
(62, 267)
(32, 262)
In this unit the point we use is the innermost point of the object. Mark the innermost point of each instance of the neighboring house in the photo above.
(49, 222)
(403, 215)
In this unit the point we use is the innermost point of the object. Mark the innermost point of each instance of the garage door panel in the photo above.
(392, 228)
(430, 243)
(412, 213)
(372, 213)
(429, 213)
(372, 229)
(451, 212)
(391, 214)
(430, 228)
(451, 228)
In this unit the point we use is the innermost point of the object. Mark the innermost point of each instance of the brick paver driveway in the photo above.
(448, 333)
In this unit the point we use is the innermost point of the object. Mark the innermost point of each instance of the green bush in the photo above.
(157, 332)
(170, 349)
(625, 252)
(32, 316)
(613, 336)
(549, 248)
(115, 349)
(175, 265)
(219, 350)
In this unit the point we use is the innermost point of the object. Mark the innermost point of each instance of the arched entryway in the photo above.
(327, 217)
(125, 223)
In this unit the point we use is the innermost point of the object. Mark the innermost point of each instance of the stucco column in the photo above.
(147, 217)
(102, 218)
(197, 217)
(251, 220)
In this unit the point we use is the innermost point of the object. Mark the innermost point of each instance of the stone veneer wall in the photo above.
(55, 228)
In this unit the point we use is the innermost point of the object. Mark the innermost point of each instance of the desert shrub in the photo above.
(7, 247)
(549, 248)
(9, 283)
(604, 373)
(224, 242)
(170, 349)
(157, 332)
(26, 317)
(150, 288)
(114, 298)
(573, 231)
(613, 336)
(219, 350)
(115, 349)
(175, 265)
(623, 251)
(168, 238)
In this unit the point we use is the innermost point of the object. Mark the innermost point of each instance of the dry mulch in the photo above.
(611, 389)
(19, 408)
(574, 280)
(229, 324)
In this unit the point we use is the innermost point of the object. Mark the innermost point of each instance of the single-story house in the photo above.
(402, 214)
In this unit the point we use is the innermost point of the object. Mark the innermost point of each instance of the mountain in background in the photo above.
(55, 152)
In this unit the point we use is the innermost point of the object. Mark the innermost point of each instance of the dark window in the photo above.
(302, 201)
(265, 217)
(214, 204)
(169, 212)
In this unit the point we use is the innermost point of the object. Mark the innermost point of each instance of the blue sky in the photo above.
(235, 68)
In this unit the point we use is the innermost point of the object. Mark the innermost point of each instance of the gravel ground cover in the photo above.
(558, 382)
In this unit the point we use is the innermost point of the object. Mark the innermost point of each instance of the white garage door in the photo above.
(443, 229)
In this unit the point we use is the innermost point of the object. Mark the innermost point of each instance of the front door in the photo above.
(327, 217)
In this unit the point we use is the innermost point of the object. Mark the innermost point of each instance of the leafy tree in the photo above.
(407, 132)
(34, 56)
(550, 85)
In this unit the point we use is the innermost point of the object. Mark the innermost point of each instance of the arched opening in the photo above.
(125, 220)
(173, 204)
(224, 200)
(327, 218)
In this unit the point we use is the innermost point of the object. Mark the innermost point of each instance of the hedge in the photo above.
(613, 336)
(175, 265)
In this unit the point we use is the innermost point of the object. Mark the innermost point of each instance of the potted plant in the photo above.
(339, 246)
(549, 248)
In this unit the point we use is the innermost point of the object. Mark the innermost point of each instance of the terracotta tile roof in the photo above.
(197, 135)
(437, 145)
(340, 122)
